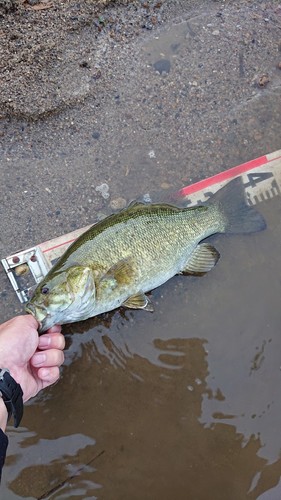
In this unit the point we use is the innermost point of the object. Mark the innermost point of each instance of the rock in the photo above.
(101, 215)
(147, 198)
(263, 80)
(103, 189)
(165, 185)
(118, 203)
(162, 66)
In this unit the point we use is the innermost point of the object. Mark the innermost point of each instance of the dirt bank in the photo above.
(52, 52)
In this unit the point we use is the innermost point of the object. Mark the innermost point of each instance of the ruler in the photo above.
(261, 179)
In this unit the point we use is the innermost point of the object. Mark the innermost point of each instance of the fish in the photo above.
(131, 252)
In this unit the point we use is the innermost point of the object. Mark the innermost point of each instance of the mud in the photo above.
(183, 403)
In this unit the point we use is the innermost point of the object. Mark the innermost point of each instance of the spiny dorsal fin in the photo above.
(135, 204)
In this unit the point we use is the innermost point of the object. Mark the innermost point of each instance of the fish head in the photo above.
(63, 296)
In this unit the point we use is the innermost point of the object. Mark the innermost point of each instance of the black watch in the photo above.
(11, 393)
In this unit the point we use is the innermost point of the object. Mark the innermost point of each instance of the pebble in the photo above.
(147, 198)
(263, 80)
(162, 66)
(103, 189)
(165, 185)
(215, 32)
(101, 215)
(118, 203)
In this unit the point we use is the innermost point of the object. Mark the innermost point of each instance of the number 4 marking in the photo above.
(254, 179)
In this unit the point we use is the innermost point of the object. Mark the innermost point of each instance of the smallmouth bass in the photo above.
(118, 260)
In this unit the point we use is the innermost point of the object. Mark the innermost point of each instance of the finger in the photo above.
(29, 320)
(23, 321)
(51, 340)
(27, 326)
(51, 357)
(48, 375)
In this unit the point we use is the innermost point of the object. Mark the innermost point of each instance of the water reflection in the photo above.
(54, 467)
(140, 437)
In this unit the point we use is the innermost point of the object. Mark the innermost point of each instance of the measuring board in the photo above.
(262, 181)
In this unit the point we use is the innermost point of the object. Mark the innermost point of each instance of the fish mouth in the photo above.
(40, 313)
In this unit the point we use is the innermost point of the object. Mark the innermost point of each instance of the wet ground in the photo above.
(185, 402)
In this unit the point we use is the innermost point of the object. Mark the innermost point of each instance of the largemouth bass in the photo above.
(129, 253)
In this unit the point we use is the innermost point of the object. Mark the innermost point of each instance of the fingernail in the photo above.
(44, 341)
(39, 359)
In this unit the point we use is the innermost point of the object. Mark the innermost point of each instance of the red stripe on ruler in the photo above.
(224, 176)
(59, 245)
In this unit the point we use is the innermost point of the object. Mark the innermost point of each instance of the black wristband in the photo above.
(11, 393)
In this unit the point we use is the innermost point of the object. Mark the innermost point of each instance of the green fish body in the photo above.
(127, 254)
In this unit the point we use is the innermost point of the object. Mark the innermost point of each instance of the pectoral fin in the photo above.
(202, 260)
(139, 301)
(121, 273)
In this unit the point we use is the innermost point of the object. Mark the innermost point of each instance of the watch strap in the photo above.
(11, 393)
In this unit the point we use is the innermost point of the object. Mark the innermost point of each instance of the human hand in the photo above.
(33, 361)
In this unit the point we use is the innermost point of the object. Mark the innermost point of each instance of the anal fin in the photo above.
(139, 301)
(202, 260)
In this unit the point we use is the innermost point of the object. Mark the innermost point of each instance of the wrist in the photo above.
(3, 415)
(11, 395)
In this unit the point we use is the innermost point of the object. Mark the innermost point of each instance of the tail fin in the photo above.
(239, 217)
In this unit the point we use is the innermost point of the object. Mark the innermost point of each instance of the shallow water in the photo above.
(183, 403)
(149, 404)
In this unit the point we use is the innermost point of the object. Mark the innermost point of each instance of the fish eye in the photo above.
(45, 289)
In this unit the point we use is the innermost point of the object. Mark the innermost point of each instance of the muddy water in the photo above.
(183, 403)
(180, 403)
